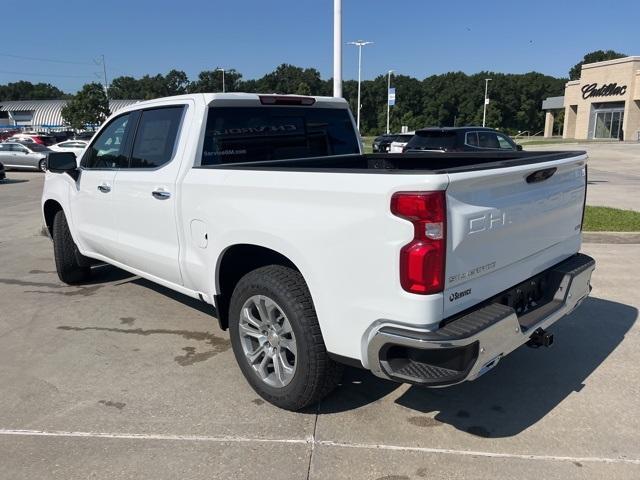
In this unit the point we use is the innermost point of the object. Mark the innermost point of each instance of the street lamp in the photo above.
(337, 48)
(359, 44)
(486, 101)
(221, 70)
(388, 90)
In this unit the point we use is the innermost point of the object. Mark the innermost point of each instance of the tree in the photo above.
(125, 88)
(88, 107)
(597, 56)
(176, 82)
(210, 81)
(149, 87)
(289, 79)
(23, 90)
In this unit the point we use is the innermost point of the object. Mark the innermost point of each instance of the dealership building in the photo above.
(603, 104)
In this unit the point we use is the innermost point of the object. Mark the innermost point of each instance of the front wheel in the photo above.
(277, 340)
(70, 264)
(42, 165)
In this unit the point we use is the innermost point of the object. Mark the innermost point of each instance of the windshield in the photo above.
(251, 134)
(436, 140)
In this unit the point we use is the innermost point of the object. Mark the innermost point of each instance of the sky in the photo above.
(412, 37)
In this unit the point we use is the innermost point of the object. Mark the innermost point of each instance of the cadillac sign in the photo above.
(606, 90)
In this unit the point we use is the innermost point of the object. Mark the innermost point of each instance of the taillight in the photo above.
(422, 261)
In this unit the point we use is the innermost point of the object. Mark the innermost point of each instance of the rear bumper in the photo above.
(469, 345)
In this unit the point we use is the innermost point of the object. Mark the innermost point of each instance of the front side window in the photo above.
(252, 134)
(504, 142)
(156, 137)
(107, 151)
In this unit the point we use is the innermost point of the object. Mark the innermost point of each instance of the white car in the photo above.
(425, 269)
(75, 146)
(400, 142)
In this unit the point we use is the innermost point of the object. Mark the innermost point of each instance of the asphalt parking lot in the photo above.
(614, 172)
(124, 379)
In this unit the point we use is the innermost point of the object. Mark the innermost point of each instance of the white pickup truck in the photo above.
(425, 268)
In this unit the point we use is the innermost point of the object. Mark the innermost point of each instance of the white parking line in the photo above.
(310, 441)
(473, 453)
(145, 436)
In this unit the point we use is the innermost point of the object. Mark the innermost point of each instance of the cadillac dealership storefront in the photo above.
(603, 104)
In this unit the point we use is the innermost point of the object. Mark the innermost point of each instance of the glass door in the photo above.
(608, 124)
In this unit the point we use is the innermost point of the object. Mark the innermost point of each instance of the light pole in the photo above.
(337, 48)
(486, 101)
(221, 70)
(388, 90)
(359, 44)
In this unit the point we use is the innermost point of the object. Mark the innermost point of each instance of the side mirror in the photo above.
(63, 162)
(519, 148)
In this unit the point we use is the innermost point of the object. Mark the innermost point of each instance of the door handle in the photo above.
(104, 188)
(541, 175)
(161, 194)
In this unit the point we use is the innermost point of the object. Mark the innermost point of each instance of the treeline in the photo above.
(453, 98)
(24, 90)
(439, 100)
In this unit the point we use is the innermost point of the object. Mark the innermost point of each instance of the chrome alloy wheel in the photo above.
(267, 340)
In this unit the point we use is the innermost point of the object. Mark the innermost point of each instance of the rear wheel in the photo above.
(277, 341)
(71, 266)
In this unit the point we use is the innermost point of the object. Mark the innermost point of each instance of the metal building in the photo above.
(42, 114)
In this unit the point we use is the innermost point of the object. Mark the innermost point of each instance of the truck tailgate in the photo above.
(499, 220)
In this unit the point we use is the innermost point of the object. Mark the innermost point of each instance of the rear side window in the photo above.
(251, 134)
(433, 141)
(488, 140)
(156, 137)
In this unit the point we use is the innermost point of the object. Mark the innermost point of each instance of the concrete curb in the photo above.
(611, 237)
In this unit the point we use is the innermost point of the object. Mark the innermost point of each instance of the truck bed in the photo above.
(418, 163)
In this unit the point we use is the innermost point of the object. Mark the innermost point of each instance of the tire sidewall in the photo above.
(245, 290)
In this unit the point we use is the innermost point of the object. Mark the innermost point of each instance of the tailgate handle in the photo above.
(541, 175)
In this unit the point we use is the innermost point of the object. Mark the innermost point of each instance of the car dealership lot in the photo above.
(124, 379)
(614, 172)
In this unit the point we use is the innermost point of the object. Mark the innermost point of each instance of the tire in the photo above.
(70, 264)
(42, 165)
(314, 374)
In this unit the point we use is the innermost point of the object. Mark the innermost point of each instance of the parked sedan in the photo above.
(27, 156)
(74, 146)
